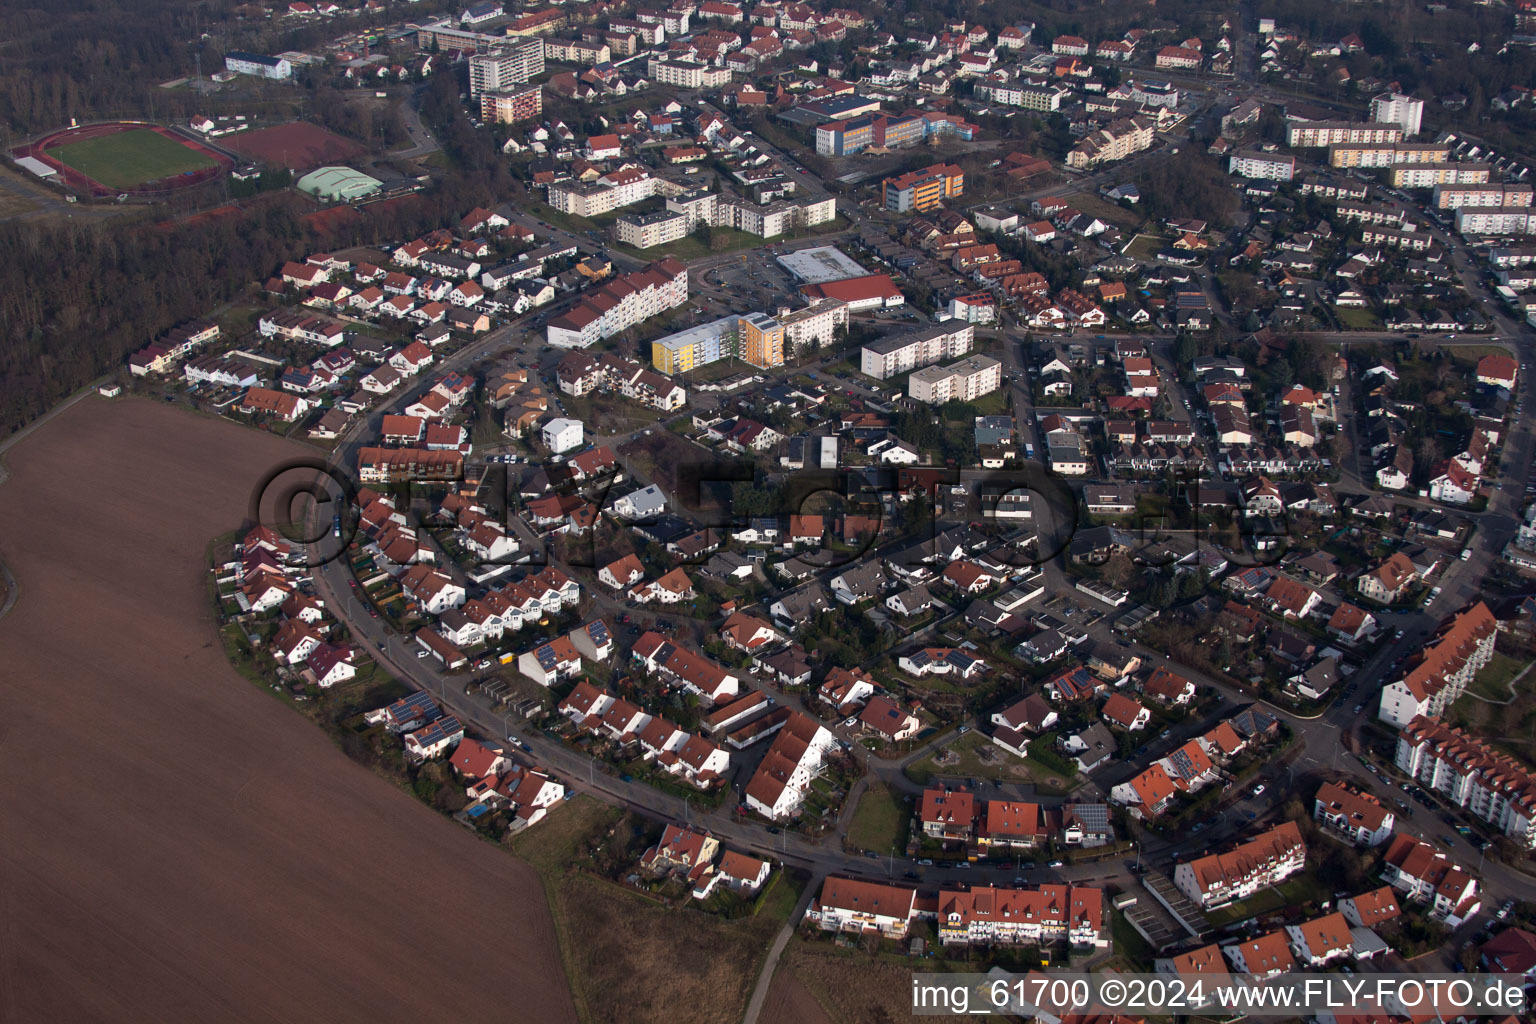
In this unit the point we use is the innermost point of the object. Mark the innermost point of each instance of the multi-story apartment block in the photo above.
(1221, 878)
(813, 326)
(514, 105)
(647, 230)
(777, 789)
(1425, 175)
(698, 206)
(502, 69)
(1122, 138)
(1454, 197)
(889, 357)
(1385, 154)
(1249, 163)
(446, 35)
(1044, 98)
(621, 303)
(775, 218)
(1303, 134)
(923, 189)
(1491, 784)
(1438, 673)
(577, 51)
(754, 338)
(613, 191)
(258, 64)
(964, 381)
(1395, 108)
(687, 74)
(1495, 220)
(649, 33)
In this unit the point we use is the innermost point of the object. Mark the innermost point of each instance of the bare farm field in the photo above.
(848, 986)
(699, 967)
(180, 845)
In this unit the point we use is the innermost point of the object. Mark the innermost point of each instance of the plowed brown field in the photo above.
(177, 845)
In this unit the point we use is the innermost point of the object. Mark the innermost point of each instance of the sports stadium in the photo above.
(126, 158)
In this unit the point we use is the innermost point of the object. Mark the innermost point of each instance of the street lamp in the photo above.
(687, 809)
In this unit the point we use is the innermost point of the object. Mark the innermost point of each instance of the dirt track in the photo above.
(178, 845)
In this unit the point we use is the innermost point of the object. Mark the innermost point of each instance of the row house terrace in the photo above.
(1438, 674)
(1490, 784)
(1219, 879)
(692, 671)
(987, 915)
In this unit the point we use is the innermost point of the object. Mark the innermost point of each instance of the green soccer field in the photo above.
(129, 159)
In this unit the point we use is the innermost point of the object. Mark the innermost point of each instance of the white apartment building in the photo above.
(1122, 138)
(1495, 220)
(889, 357)
(1492, 785)
(647, 230)
(1022, 94)
(576, 51)
(500, 70)
(613, 191)
(850, 905)
(687, 74)
(813, 326)
(258, 64)
(1357, 816)
(622, 302)
(698, 206)
(964, 381)
(775, 218)
(1395, 108)
(1254, 164)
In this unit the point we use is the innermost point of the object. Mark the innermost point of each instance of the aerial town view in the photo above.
(762, 512)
